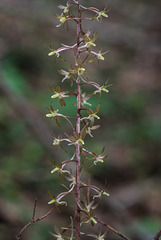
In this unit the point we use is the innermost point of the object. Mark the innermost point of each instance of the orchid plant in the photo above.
(82, 124)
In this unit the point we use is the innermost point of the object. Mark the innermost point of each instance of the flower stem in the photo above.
(78, 154)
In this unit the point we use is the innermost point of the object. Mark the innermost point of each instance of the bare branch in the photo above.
(33, 220)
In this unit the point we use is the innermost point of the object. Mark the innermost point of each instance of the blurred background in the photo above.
(130, 115)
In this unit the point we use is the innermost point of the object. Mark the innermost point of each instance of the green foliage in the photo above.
(14, 78)
(152, 224)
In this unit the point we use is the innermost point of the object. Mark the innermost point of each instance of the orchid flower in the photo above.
(60, 95)
(66, 9)
(58, 142)
(71, 179)
(53, 114)
(58, 235)
(75, 140)
(88, 206)
(77, 69)
(100, 14)
(100, 158)
(84, 99)
(97, 158)
(91, 128)
(98, 55)
(101, 88)
(66, 74)
(99, 236)
(99, 192)
(88, 41)
(57, 199)
(57, 51)
(89, 218)
(92, 115)
(59, 168)
(62, 18)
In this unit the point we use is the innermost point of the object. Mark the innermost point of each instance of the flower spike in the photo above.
(82, 122)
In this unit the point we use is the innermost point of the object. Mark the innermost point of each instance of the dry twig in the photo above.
(33, 220)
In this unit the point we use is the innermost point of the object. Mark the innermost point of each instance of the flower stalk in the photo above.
(82, 50)
(78, 153)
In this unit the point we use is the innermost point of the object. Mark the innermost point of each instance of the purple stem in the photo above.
(78, 154)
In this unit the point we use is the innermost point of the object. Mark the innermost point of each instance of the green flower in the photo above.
(84, 99)
(57, 199)
(91, 128)
(92, 220)
(99, 158)
(58, 235)
(73, 181)
(89, 218)
(57, 141)
(88, 206)
(66, 9)
(60, 95)
(81, 71)
(78, 70)
(62, 19)
(92, 115)
(99, 236)
(100, 193)
(76, 139)
(57, 202)
(66, 74)
(59, 168)
(100, 14)
(88, 41)
(52, 113)
(101, 89)
(57, 51)
(54, 52)
(98, 56)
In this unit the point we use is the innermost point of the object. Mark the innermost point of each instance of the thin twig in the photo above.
(34, 209)
(33, 220)
(112, 229)
(158, 235)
